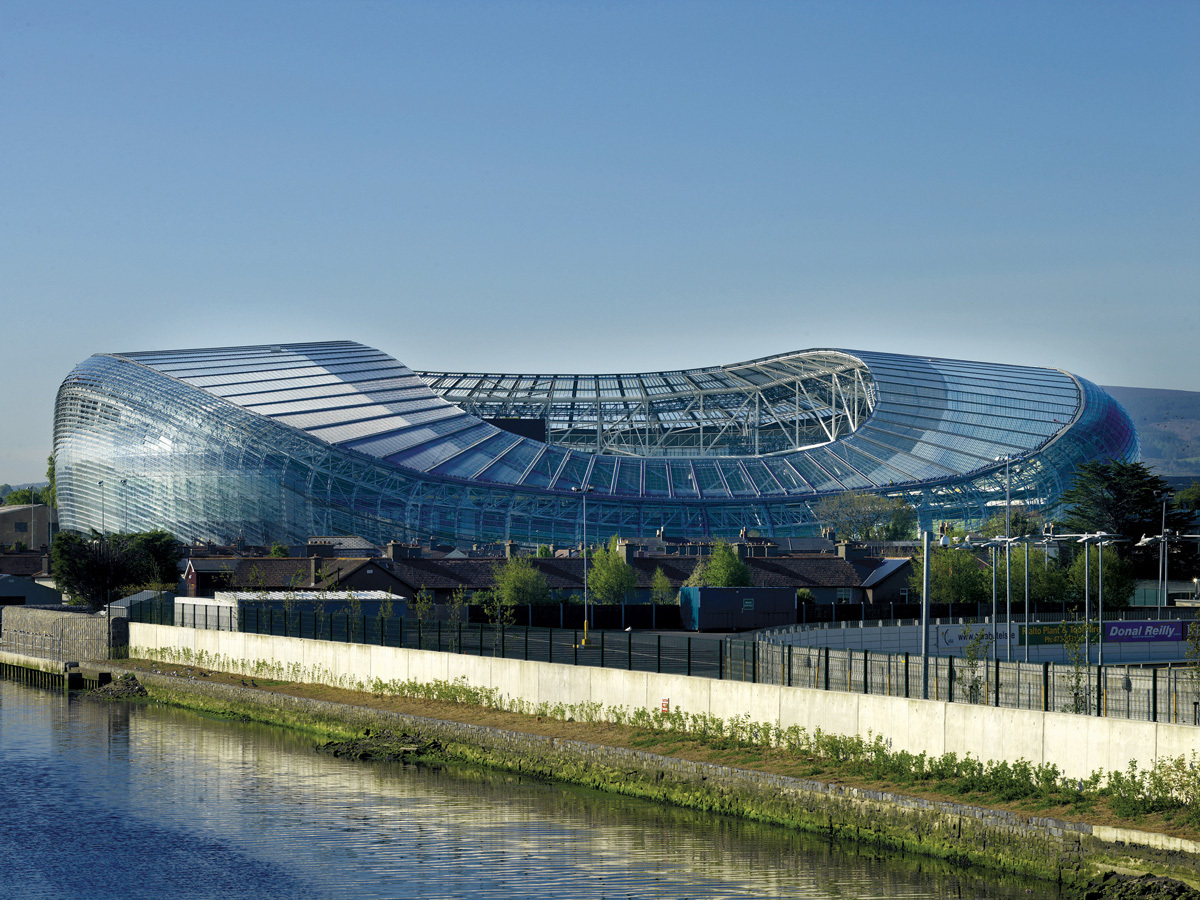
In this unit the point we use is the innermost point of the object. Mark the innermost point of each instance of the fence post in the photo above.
(826, 649)
(439, 635)
(602, 643)
(996, 688)
(689, 656)
(526, 643)
(1046, 687)
(1154, 694)
(550, 644)
(906, 675)
(789, 665)
(1100, 698)
(481, 639)
(866, 670)
(629, 649)
(503, 654)
(658, 657)
(950, 679)
(720, 659)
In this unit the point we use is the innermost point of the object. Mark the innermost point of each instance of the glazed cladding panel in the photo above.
(279, 443)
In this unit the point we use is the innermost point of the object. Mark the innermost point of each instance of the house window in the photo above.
(844, 595)
(21, 527)
(903, 595)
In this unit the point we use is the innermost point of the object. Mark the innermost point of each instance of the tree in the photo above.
(661, 591)
(516, 583)
(1048, 580)
(610, 578)
(860, 516)
(1122, 499)
(160, 553)
(94, 572)
(1189, 497)
(50, 492)
(1022, 522)
(544, 551)
(955, 576)
(722, 568)
(1119, 584)
(279, 551)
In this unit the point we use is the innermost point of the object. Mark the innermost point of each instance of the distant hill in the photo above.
(1168, 424)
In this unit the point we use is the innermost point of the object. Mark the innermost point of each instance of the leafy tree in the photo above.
(95, 571)
(661, 591)
(50, 492)
(1189, 497)
(1119, 583)
(1023, 522)
(610, 578)
(903, 524)
(722, 568)
(21, 497)
(1048, 580)
(161, 554)
(859, 516)
(544, 551)
(955, 576)
(517, 582)
(1123, 499)
(279, 551)
(1119, 498)
(5, 490)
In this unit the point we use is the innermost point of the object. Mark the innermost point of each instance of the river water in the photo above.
(116, 800)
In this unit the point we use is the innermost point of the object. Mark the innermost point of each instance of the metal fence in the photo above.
(1158, 694)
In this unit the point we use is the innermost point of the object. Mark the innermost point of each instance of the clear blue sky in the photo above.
(598, 186)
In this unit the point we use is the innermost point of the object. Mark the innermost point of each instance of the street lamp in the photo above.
(125, 497)
(102, 528)
(583, 492)
(1163, 540)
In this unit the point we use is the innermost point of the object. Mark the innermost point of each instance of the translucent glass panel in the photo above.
(137, 449)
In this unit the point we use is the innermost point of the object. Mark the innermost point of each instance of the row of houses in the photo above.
(850, 573)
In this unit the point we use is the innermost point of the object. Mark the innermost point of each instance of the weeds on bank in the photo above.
(1171, 787)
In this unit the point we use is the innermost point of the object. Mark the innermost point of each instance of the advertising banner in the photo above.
(1055, 632)
(1119, 632)
(951, 637)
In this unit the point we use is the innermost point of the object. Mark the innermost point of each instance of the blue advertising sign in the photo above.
(1119, 632)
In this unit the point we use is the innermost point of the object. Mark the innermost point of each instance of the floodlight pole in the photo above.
(584, 491)
(1027, 600)
(101, 485)
(925, 536)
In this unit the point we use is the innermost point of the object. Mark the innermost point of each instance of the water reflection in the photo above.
(136, 801)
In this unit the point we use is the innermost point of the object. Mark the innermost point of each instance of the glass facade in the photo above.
(276, 443)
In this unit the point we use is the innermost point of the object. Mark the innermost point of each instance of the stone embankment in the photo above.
(1077, 855)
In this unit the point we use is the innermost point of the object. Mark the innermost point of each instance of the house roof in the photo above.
(886, 569)
(21, 564)
(264, 573)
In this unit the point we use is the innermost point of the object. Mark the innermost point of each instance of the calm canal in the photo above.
(126, 801)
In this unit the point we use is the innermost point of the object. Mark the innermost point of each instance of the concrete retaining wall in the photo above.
(1078, 745)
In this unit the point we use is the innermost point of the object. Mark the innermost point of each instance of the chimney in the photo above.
(510, 549)
(397, 550)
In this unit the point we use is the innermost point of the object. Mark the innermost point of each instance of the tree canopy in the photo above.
(104, 568)
(610, 578)
(860, 516)
(722, 568)
(518, 582)
(1123, 499)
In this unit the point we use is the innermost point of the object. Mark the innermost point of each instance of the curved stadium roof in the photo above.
(279, 442)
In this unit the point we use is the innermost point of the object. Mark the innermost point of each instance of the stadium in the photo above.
(280, 442)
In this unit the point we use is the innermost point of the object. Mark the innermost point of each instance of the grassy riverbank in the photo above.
(950, 808)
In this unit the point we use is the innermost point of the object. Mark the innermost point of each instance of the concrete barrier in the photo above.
(1077, 744)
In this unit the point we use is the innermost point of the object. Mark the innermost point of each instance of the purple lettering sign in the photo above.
(1119, 632)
